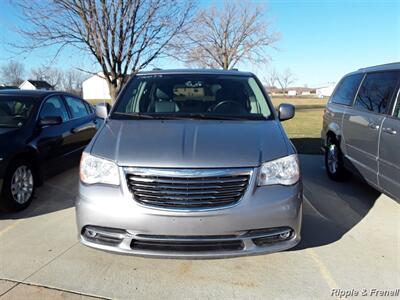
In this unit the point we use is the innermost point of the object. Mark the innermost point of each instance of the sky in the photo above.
(320, 40)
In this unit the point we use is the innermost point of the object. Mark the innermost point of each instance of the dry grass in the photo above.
(300, 102)
(305, 130)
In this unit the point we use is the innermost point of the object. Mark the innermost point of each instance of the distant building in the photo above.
(303, 91)
(36, 85)
(325, 91)
(95, 89)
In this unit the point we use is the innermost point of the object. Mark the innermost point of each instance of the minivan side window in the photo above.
(347, 89)
(396, 112)
(77, 107)
(376, 91)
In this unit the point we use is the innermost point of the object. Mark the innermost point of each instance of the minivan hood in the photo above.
(190, 143)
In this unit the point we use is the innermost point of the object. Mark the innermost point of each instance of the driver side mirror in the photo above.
(286, 111)
(51, 120)
(102, 110)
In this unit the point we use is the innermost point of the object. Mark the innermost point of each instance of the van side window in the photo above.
(347, 89)
(396, 112)
(376, 91)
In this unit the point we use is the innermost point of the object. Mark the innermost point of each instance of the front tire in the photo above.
(334, 163)
(18, 187)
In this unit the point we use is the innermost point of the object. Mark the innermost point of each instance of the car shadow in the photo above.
(57, 193)
(331, 208)
(307, 145)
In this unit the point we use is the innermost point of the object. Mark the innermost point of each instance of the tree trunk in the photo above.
(226, 63)
(113, 91)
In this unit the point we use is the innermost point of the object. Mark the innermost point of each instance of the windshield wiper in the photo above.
(202, 116)
(132, 115)
(222, 117)
(147, 116)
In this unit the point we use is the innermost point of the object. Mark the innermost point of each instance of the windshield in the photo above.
(201, 96)
(15, 111)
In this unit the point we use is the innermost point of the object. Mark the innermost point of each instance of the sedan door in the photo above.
(363, 122)
(389, 154)
(53, 141)
(83, 123)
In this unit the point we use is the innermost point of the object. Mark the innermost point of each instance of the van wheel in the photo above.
(18, 187)
(334, 164)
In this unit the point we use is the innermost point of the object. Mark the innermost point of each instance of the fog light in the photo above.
(285, 235)
(103, 235)
(90, 233)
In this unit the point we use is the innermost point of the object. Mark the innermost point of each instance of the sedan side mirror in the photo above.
(51, 120)
(286, 111)
(102, 110)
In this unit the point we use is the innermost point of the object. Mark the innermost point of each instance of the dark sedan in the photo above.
(41, 132)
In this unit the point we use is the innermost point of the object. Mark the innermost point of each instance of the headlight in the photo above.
(97, 170)
(283, 171)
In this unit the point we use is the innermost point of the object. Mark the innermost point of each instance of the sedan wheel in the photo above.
(22, 184)
(18, 186)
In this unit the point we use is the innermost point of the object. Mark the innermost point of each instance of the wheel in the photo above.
(18, 187)
(334, 163)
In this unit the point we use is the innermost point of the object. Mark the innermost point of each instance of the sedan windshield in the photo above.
(196, 96)
(15, 111)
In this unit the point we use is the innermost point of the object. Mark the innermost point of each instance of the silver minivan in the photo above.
(361, 128)
(191, 163)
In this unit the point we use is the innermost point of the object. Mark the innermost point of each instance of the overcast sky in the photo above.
(321, 40)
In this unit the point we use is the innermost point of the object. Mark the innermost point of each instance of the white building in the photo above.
(325, 91)
(292, 93)
(36, 85)
(95, 89)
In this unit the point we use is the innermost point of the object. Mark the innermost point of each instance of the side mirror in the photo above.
(51, 120)
(102, 110)
(286, 111)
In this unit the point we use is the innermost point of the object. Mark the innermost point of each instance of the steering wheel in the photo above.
(18, 117)
(225, 102)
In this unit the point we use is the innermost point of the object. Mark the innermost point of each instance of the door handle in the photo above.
(82, 128)
(389, 131)
(373, 126)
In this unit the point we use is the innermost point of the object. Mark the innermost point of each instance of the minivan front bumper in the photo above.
(267, 219)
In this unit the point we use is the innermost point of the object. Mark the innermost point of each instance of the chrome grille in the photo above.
(187, 188)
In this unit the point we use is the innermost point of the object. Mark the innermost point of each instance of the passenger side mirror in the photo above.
(51, 120)
(286, 111)
(102, 110)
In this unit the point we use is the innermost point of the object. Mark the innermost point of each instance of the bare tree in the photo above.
(72, 82)
(12, 73)
(124, 36)
(221, 37)
(272, 78)
(285, 79)
(53, 76)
